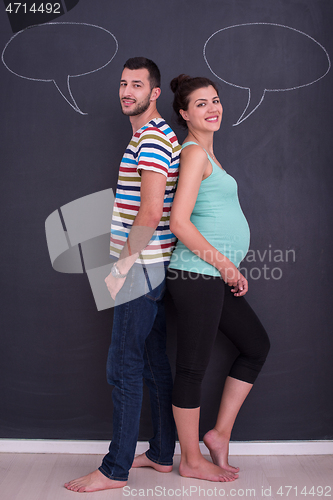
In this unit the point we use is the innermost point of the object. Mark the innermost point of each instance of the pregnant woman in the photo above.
(205, 284)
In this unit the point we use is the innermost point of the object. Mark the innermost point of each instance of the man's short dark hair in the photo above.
(148, 64)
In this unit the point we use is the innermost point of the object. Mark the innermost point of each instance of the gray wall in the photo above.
(54, 341)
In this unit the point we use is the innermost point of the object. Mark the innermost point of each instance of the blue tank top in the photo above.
(218, 216)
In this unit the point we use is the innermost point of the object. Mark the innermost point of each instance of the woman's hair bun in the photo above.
(176, 82)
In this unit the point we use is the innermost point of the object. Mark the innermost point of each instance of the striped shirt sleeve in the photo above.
(154, 151)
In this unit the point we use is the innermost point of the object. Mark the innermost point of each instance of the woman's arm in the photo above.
(193, 166)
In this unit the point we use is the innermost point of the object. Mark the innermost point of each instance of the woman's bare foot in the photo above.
(203, 469)
(95, 481)
(143, 461)
(218, 446)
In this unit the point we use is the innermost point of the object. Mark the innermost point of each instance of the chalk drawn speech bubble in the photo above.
(57, 52)
(265, 57)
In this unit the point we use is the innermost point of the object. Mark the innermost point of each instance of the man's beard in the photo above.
(139, 108)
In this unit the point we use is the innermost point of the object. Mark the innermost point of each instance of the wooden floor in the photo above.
(41, 477)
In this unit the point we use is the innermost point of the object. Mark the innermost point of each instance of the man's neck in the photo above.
(139, 121)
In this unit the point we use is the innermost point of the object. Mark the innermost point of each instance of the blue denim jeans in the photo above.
(138, 351)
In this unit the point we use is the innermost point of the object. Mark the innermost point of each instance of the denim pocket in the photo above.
(157, 293)
(154, 283)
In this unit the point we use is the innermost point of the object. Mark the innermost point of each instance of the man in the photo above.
(142, 242)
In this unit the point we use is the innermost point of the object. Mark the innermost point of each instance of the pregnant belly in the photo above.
(229, 235)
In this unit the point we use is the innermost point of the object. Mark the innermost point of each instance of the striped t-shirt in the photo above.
(153, 147)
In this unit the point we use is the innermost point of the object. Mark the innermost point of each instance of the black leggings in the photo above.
(205, 304)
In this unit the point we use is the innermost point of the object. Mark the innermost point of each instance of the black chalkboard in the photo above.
(63, 136)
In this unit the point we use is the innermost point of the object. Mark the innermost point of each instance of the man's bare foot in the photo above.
(218, 446)
(95, 481)
(203, 469)
(143, 461)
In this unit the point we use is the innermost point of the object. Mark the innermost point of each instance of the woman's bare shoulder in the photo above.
(194, 154)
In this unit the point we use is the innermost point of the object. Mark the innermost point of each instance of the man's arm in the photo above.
(148, 217)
